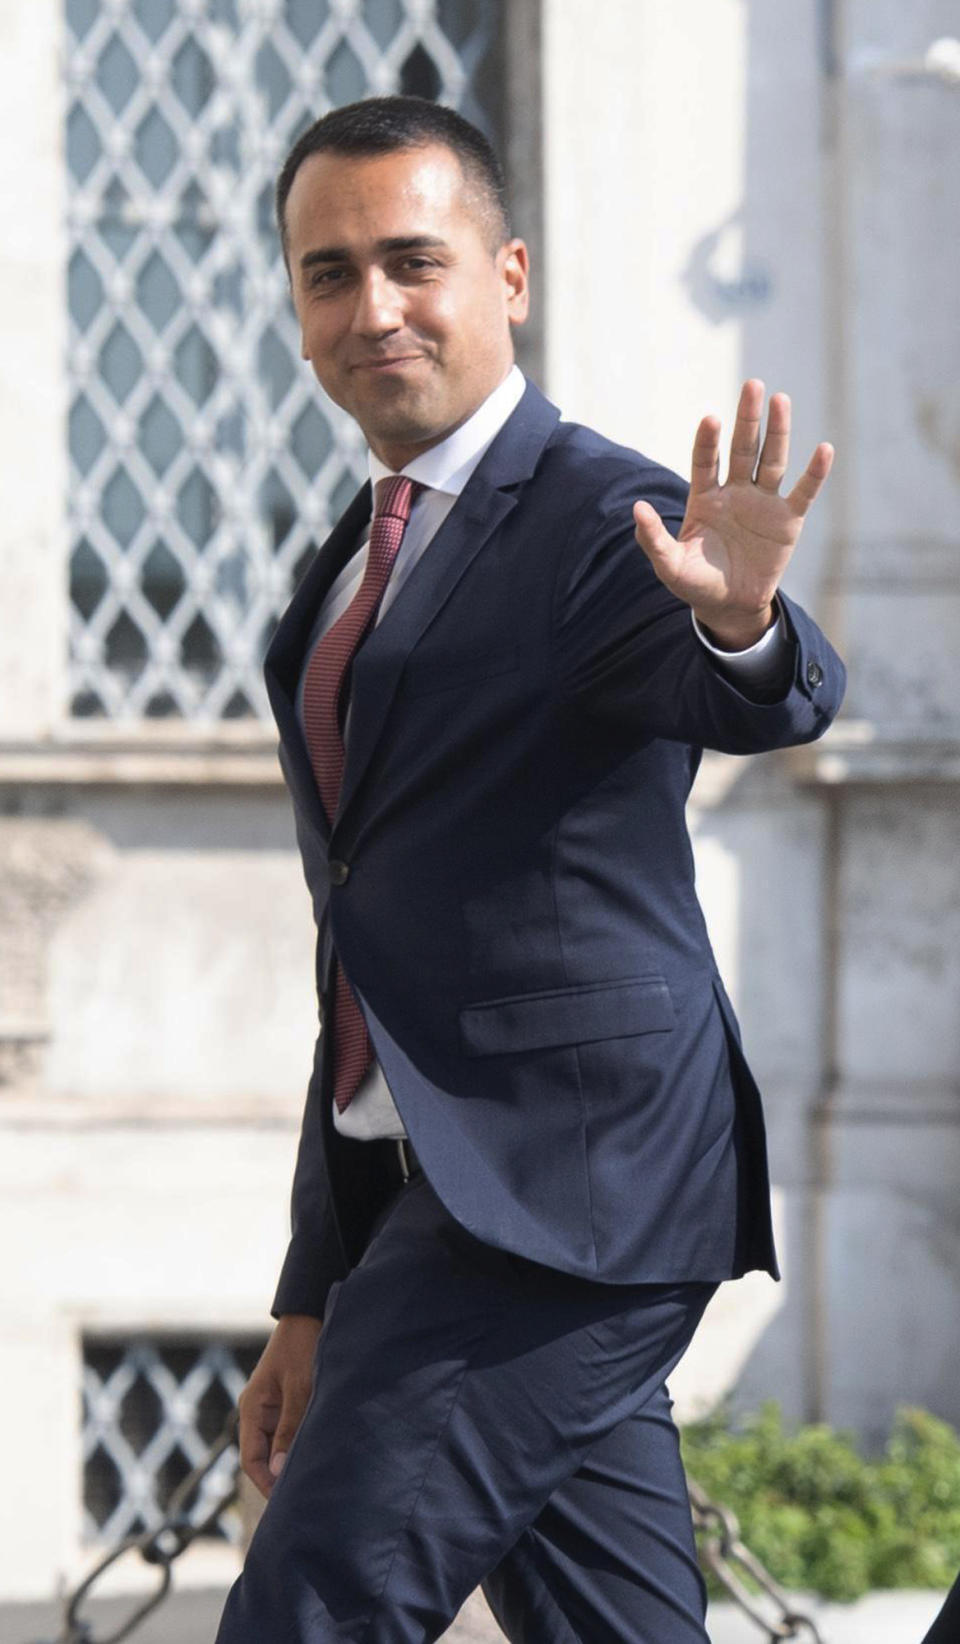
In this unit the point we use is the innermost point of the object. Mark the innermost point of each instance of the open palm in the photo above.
(736, 539)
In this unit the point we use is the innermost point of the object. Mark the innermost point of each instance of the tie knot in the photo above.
(394, 497)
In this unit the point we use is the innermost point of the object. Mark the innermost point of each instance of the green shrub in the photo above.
(824, 1518)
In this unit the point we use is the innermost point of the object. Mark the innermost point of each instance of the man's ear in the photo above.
(515, 273)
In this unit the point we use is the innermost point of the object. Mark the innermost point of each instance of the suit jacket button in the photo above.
(814, 674)
(339, 872)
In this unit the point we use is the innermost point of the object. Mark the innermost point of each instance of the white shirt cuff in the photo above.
(764, 664)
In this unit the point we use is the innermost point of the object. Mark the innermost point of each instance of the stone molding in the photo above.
(145, 755)
(857, 752)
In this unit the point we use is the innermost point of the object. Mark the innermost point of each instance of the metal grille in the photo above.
(152, 1408)
(205, 466)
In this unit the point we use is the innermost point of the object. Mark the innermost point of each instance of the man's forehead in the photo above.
(329, 182)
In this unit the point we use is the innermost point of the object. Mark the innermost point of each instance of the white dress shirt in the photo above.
(445, 470)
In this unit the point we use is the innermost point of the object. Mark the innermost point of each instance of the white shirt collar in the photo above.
(448, 466)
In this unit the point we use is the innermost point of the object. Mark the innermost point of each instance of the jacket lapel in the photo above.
(288, 647)
(487, 499)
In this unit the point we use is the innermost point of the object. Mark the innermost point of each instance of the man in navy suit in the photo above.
(531, 1146)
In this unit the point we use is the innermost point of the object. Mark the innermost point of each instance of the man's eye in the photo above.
(326, 276)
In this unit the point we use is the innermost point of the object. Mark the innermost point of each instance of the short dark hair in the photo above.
(383, 125)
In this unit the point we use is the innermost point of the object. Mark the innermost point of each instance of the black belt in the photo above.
(410, 1165)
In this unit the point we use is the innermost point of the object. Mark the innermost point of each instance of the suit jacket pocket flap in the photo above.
(567, 1016)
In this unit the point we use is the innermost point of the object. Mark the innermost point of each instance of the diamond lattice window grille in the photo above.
(152, 1409)
(205, 466)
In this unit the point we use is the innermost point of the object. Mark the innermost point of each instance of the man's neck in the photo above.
(447, 464)
(398, 457)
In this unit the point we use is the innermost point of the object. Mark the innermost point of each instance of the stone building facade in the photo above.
(715, 190)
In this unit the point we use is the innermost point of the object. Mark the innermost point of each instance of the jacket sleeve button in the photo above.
(814, 674)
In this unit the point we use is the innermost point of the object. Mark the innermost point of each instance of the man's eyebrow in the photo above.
(324, 254)
(411, 242)
(396, 242)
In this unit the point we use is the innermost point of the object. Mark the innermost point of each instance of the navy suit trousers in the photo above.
(946, 1627)
(478, 1419)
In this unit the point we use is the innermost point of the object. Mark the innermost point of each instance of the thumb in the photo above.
(653, 536)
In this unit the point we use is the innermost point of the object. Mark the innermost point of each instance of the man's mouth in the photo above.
(390, 362)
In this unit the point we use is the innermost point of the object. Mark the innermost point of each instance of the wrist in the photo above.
(291, 1322)
(736, 631)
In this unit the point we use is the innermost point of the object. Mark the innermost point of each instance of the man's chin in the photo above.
(409, 426)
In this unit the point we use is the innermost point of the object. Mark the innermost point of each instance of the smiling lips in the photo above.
(387, 362)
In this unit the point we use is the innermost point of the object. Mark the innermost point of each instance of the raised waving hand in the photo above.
(737, 538)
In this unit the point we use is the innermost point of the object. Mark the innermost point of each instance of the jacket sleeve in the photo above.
(314, 1258)
(624, 647)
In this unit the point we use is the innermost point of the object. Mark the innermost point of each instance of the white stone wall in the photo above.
(888, 1279)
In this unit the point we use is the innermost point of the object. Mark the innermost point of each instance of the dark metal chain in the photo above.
(722, 1551)
(159, 1547)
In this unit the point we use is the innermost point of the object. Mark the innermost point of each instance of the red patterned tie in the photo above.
(326, 671)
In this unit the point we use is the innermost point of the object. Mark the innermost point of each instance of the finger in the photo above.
(746, 433)
(296, 1394)
(705, 463)
(654, 538)
(776, 445)
(255, 1431)
(811, 480)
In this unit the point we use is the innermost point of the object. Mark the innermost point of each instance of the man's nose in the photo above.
(379, 309)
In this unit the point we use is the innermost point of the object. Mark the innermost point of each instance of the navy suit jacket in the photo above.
(509, 881)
